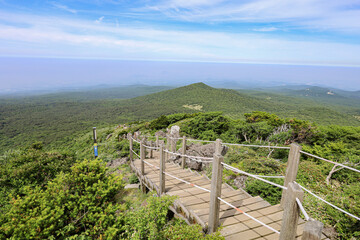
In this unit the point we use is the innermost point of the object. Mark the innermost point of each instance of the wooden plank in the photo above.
(205, 199)
(248, 234)
(242, 204)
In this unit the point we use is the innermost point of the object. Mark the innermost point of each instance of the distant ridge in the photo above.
(235, 104)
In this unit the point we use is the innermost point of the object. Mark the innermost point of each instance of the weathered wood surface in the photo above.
(194, 204)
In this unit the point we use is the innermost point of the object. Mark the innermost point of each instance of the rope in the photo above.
(135, 140)
(135, 153)
(341, 210)
(188, 156)
(196, 160)
(151, 165)
(232, 144)
(260, 146)
(248, 215)
(302, 209)
(196, 140)
(326, 160)
(269, 176)
(251, 175)
(156, 148)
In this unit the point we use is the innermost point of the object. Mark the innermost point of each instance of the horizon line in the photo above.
(188, 61)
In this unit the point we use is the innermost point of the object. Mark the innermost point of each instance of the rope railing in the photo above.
(188, 156)
(332, 205)
(234, 144)
(259, 146)
(135, 140)
(302, 209)
(326, 160)
(135, 153)
(294, 157)
(222, 200)
(226, 166)
(269, 176)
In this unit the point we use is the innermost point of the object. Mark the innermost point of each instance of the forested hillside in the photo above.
(58, 118)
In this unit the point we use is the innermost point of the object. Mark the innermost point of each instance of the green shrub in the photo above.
(133, 179)
(79, 203)
(159, 123)
(179, 230)
(213, 123)
(30, 167)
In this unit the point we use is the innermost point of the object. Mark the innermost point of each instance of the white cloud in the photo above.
(100, 19)
(50, 35)
(265, 29)
(63, 7)
(341, 15)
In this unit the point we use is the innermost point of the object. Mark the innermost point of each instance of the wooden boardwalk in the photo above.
(194, 204)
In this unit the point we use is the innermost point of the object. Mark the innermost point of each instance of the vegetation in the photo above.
(88, 202)
(337, 143)
(31, 167)
(56, 119)
(48, 190)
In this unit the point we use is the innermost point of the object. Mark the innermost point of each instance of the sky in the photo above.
(321, 34)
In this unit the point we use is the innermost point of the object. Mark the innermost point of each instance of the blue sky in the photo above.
(296, 32)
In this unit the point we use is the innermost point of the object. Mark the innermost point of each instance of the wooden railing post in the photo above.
(162, 170)
(216, 182)
(291, 212)
(292, 168)
(142, 157)
(157, 141)
(218, 146)
(312, 230)
(131, 147)
(183, 152)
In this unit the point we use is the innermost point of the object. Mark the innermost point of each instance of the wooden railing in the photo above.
(292, 194)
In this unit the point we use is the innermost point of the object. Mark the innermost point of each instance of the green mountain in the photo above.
(56, 118)
(200, 97)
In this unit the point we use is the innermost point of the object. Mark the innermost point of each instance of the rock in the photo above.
(109, 136)
(330, 232)
(195, 165)
(231, 177)
(175, 131)
(239, 181)
(132, 186)
(117, 162)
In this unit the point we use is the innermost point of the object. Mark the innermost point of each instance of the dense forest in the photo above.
(57, 118)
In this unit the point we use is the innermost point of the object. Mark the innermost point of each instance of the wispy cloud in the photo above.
(265, 29)
(177, 4)
(82, 38)
(100, 19)
(64, 7)
(341, 15)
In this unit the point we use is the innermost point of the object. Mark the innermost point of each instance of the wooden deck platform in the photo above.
(193, 203)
